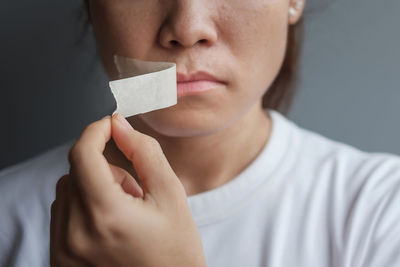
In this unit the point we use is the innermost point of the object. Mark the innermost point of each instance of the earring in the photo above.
(293, 10)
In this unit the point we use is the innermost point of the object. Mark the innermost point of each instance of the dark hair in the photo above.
(280, 94)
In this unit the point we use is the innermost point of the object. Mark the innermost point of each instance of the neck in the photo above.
(203, 163)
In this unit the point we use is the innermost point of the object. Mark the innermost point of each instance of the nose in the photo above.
(189, 23)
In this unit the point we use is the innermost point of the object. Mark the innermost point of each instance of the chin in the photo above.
(187, 123)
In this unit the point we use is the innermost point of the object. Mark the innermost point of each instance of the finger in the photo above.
(89, 168)
(127, 182)
(58, 224)
(78, 233)
(53, 234)
(150, 163)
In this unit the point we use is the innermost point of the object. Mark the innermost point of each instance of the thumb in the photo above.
(152, 167)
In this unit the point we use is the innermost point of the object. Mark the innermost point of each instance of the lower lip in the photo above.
(196, 87)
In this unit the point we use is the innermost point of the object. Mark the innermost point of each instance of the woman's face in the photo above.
(239, 42)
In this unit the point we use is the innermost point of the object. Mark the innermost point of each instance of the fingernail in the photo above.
(122, 120)
(106, 117)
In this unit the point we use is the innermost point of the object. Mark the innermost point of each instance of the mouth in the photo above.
(196, 83)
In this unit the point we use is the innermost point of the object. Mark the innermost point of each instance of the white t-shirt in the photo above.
(305, 201)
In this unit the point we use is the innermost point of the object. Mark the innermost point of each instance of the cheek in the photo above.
(125, 28)
(258, 46)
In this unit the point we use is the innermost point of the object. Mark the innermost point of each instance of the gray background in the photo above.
(53, 85)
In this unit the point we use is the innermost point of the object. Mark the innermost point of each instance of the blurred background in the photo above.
(53, 84)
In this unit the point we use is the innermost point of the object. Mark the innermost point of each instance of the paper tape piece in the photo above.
(143, 85)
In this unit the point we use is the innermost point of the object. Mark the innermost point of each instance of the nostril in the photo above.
(202, 41)
(174, 42)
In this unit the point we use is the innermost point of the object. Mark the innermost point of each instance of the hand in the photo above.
(102, 217)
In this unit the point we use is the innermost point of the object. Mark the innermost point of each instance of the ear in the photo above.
(295, 10)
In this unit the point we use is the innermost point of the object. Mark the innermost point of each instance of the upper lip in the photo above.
(196, 76)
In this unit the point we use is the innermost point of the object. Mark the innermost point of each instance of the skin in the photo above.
(199, 144)
(215, 36)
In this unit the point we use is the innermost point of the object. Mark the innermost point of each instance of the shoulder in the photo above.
(361, 193)
(352, 174)
(337, 166)
(32, 176)
(27, 191)
(311, 153)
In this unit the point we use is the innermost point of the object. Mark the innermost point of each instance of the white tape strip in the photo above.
(144, 86)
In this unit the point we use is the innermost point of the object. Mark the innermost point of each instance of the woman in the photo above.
(220, 180)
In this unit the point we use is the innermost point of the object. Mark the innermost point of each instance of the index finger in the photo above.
(89, 168)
